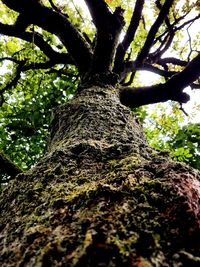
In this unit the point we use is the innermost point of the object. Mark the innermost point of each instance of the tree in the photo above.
(101, 196)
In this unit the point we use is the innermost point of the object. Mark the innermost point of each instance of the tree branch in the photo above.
(22, 67)
(14, 31)
(154, 29)
(11, 59)
(108, 27)
(177, 28)
(130, 34)
(187, 22)
(43, 65)
(160, 51)
(34, 65)
(172, 60)
(130, 66)
(99, 11)
(153, 57)
(8, 167)
(156, 70)
(18, 27)
(171, 90)
(150, 37)
(195, 85)
(57, 24)
(184, 78)
(46, 48)
(54, 6)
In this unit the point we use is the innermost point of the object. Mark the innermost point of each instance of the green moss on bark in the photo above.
(101, 197)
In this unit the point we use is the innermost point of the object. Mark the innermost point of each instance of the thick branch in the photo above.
(156, 70)
(165, 44)
(19, 26)
(171, 90)
(172, 60)
(184, 78)
(108, 27)
(130, 34)
(42, 65)
(99, 12)
(45, 47)
(54, 6)
(131, 66)
(8, 167)
(34, 65)
(14, 31)
(150, 38)
(57, 24)
(10, 59)
(153, 31)
(22, 67)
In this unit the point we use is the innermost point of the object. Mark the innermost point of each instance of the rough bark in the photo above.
(101, 196)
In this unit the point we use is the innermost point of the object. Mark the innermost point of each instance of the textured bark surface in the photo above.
(101, 196)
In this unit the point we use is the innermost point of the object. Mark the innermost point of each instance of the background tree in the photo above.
(101, 195)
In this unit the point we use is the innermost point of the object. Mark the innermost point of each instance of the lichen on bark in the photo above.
(101, 196)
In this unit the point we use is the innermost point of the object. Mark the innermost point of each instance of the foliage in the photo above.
(165, 130)
(26, 114)
(185, 146)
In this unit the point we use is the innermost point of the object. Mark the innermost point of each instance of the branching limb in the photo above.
(176, 27)
(165, 44)
(171, 90)
(172, 60)
(109, 26)
(153, 57)
(195, 85)
(153, 31)
(12, 30)
(99, 11)
(150, 37)
(130, 34)
(156, 70)
(131, 66)
(169, 38)
(57, 24)
(8, 167)
(187, 22)
(22, 67)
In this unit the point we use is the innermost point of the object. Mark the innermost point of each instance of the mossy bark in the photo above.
(101, 196)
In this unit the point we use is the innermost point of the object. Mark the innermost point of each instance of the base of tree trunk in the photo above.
(101, 196)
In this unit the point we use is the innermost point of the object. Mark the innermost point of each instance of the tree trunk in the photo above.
(101, 196)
